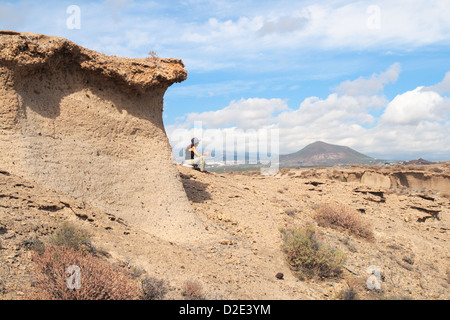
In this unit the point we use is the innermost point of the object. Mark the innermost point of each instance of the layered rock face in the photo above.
(90, 126)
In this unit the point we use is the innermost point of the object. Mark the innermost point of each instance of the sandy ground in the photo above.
(240, 252)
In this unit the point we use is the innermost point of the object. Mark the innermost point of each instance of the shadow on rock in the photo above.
(195, 190)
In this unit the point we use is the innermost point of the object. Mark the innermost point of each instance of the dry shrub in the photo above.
(342, 217)
(34, 244)
(153, 289)
(192, 290)
(350, 292)
(308, 257)
(99, 279)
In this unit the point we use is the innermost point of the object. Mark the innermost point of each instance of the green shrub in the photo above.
(70, 236)
(308, 257)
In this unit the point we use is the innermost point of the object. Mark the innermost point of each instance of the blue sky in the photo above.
(372, 75)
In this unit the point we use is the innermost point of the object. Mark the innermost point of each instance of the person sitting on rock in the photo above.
(191, 152)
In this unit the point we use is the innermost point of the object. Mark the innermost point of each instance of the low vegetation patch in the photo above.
(193, 290)
(70, 236)
(68, 267)
(63, 273)
(308, 257)
(348, 294)
(343, 218)
(153, 289)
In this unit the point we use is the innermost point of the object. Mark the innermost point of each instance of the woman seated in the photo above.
(191, 153)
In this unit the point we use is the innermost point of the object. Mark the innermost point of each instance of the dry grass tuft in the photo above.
(153, 289)
(193, 290)
(344, 218)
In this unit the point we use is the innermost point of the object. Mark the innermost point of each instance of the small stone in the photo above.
(279, 276)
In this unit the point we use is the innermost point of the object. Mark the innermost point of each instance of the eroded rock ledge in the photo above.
(33, 52)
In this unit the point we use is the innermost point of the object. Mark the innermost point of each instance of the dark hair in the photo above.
(195, 141)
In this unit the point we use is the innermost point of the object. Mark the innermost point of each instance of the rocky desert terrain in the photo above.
(82, 143)
(243, 213)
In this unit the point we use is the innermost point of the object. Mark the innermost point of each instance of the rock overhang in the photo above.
(36, 51)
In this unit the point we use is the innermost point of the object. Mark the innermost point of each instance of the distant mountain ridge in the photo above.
(324, 154)
(419, 161)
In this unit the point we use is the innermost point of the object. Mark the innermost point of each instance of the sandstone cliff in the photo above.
(90, 126)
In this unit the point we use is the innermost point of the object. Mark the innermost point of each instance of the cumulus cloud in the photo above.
(331, 111)
(415, 106)
(414, 124)
(349, 104)
(373, 85)
(442, 87)
(245, 113)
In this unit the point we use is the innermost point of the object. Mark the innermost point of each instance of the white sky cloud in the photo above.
(245, 113)
(413, 107)
(331, 111)
(442, 87)
(283, 24)
(212, 35)
(253, 42)
(415, 121)
(370, 86)
(321, 25)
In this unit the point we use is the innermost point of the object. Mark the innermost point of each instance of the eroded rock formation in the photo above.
(90, 126)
